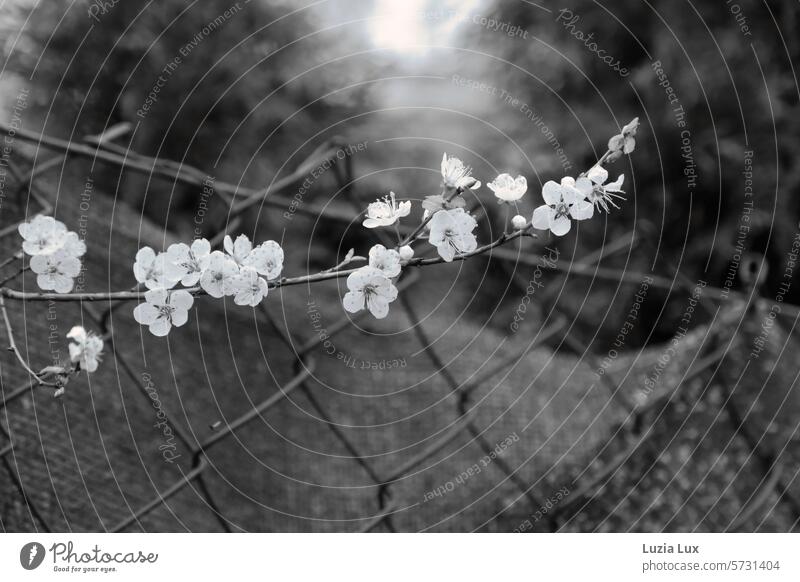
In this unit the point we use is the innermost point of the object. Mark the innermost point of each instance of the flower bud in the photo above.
(519, 222)
(630, 128)
(406, 252)
(616, 142)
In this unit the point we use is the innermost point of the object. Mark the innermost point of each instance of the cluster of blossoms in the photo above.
(450, 230)
(578, 199)
(55, 253)
(450, 227)
(241, 272)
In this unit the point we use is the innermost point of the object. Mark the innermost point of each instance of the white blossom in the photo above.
(56, 271)
(163, 309)
(508, 189)
(518, 222)
(73, 245)
(155, 271)
(456, 175)
(238, 250)
(45, 235)
(386, 211)
(406, 252)
(370, 288)
(385, 260)
(42, 236)
(188, 262)
(562, 201)
(599, 193)
(218, 277)
(451, 233)
(249, 288)
(86, 348)
(266, 259)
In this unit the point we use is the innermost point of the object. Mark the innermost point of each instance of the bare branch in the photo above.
(12, 346)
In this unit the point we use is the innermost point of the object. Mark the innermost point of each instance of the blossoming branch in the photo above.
(246, 272)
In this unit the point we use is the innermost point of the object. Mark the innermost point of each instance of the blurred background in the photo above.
(246, 91)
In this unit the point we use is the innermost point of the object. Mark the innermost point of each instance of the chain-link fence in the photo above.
(77, 463)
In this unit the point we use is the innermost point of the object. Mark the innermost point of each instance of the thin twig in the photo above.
(12, 346)
(14, 275)
(11, 259)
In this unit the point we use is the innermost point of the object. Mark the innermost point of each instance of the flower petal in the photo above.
(358, 279)
(160, 327)
(211, 285)
(378, 306)
(560, 226)
(353, 301)
(157, 297)
(629, 146)
(145, 313)
(201, 247)
(243, 298)
(597, 174)
(45, 282)
(181, 300)
(78, 333)
(62, 283)
(73, 245)
(179, 317)
(391, 293)
(570, 195)
(70, 266)
(145, 255)
(584, 186)
(582, 210)
(39, 264)
(242, 247)
(446, 251)
(541, 217)
(466, 243)
(551, 192)
(616, 185)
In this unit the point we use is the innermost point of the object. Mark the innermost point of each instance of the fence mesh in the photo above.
(78, 463)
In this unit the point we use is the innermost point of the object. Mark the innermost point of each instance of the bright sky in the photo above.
(405, 25)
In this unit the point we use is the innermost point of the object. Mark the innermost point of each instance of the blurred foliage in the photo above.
(274, 81)
(739, 92)
(223, 72)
